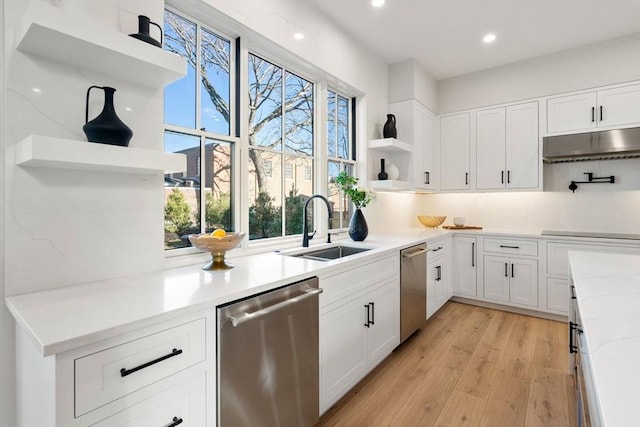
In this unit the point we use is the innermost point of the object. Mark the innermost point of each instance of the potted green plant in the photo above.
(361, 197)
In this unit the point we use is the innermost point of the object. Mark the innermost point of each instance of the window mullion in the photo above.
(283, 107)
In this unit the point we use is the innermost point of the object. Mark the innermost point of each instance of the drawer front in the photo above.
(339, 286)
(184, 405)
(511, 247)
(436, 249)
(558, 255)
(99, 378)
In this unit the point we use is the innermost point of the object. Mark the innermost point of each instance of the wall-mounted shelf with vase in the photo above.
(56, 34)
(390, 185)
(46, 152)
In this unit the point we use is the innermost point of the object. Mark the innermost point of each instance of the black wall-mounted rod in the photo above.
(592, 180)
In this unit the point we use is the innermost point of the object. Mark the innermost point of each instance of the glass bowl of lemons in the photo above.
(217, 244)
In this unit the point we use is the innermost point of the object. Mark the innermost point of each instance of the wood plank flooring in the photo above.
(469, 366)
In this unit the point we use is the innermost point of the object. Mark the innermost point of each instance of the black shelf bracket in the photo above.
(592, 180)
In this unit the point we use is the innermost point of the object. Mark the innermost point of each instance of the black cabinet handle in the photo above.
(124, 372)
(512, 270)
(593, 114)
(508, 177)
(436, 249)
(438, 273)
(601, 113)
(473, 254)
(466, 178)
(572, 347)
(368, 314)
(506, 273)
(373, 313)
(573, 292)
(427, 178)
(510, 247)
(176, 422)
(501, 177)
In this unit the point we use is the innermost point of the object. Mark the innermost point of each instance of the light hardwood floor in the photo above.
(469, 366)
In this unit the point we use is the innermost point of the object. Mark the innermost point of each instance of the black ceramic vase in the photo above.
(389, 130)
(107, 128)
(358, 229)
(143, 31)
(382, 176)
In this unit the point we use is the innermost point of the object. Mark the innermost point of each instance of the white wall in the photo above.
(409, 80)
(609, 62)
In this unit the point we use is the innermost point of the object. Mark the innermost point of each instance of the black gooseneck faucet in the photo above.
(305, 228)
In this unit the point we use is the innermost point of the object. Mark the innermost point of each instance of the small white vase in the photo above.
(392, 171)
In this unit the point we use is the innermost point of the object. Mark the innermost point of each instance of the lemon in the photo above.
(219, 233)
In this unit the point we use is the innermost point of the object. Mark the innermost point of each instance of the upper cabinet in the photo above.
(507, 147)
(56, 34)
(614, 107)
(455, 151)
(415, 124)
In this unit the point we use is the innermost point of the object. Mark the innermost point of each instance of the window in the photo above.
(307, 173)
(340, 155)
(281, 134)
(198, 122)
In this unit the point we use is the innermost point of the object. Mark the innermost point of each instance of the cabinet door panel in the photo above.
(523, 281)
(454, 152)
(496, 278)
(424, 175)
(558, 295)
(443, 287)
(464, 273)
(383, 334)
(522, 146)
(620, 106)
(342, 350)
(490, 142)
(572, 112)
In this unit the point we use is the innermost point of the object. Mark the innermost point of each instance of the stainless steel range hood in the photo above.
(602, 145)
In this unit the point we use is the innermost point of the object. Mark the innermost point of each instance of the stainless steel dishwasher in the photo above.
(268, 358)
(413, 289)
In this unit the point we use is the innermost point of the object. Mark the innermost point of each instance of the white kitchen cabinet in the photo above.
(511, 280)
(359, 324)
(455, 152)
(465, 251)
(144, 377)
(439, 273)
(605, 108)
(415, 124)
(558, 295)
(507, 153)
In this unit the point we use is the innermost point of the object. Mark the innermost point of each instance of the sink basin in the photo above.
(333, 252)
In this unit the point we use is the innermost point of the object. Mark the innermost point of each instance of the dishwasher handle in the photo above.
(245, 317)
(416, 253)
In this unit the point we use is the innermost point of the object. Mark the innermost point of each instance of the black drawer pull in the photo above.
(124, 372)
(506, 270)
(512, 270)
(510, 247)
(573, 292)
(427, 178)
(601, 113)
(593, 114)
(368, 315)
(176, 422)
(436, 249)
(572, 347)
(373, 313)
(502, 177)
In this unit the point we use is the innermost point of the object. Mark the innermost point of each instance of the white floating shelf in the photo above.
(53, 33)
(46, 152)
(390, 145)
(390, 184)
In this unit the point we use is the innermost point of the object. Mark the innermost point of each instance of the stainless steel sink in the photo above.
(333, 252)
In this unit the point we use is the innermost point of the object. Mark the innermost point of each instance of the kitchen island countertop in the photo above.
(607, 288)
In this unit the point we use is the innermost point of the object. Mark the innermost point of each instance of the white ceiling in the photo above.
(445, 36)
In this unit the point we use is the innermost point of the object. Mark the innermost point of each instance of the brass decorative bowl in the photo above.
(217, 246)
(431, 221)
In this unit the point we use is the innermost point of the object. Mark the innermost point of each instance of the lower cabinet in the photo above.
(439, 283)
(357, 333)
(511, 280)
(465, 250)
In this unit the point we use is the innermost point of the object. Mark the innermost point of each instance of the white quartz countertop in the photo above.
(607, 288)
(66, 318)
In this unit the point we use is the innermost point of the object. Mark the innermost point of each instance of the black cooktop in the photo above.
(591, 234)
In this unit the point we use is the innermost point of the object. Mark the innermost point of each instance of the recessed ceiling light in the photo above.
(489, 38)
(36, 90)
(298, 36)
(377, 3)
(128, 108)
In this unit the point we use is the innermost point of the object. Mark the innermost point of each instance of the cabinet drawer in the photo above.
(436, 248)
(337, 287)
(185, 401)
(558, 255)
(99, 376)
(511, 247)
